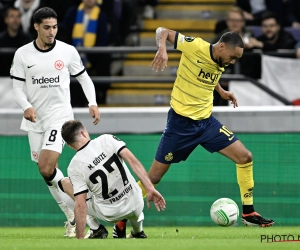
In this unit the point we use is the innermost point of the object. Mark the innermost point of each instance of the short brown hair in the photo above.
(70, 130)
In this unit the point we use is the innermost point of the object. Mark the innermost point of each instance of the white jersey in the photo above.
(46, 74)
(97, 167)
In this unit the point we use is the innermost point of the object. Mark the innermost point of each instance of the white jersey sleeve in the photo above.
(88, 88)
(77, 70)
(18, 75)
(115, 143)
(77, 178)
(76, 67)
(17, 68)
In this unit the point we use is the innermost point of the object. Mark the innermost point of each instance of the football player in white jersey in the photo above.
(43, 68)
(102, 183)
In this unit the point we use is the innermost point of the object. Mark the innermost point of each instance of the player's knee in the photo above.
(65, 184)
(46, 171)
(46, 174)
(246, 157)
(249, 156)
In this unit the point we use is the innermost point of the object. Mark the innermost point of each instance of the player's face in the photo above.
(270, 28)
(229, 55)
(47, 30)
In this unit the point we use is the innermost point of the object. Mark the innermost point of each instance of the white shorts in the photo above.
(131, 209)
(51, 139)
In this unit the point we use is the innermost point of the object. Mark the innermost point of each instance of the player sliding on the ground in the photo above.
(190, 121)
(102, 183)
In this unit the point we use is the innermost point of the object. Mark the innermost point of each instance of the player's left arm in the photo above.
(80, 211)
(139, 170)
(226, 95)
(89, 91)
(78, 71)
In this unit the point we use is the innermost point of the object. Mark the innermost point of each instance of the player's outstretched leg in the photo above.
(238, 153)
(47, 164)
(60, 199)
(246, 183)
(119, 230)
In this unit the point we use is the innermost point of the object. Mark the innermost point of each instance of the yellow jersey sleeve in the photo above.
(187, 44)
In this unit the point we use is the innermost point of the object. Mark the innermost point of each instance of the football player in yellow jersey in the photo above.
(190, 122)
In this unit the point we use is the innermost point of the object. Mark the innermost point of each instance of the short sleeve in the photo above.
(17, 70)
(77, 180)
(115, 143)
(76, 67)
(186, 44)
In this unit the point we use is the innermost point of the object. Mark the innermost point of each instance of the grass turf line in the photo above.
(159, 238)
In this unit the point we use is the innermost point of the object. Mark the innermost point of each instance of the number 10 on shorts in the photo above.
(227, 132)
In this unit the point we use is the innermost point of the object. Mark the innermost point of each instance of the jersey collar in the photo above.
(44, 51)
(211, 53)
(84, 146)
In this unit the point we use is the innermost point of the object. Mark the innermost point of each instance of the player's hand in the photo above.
(30, 114)
(160, 60)
(157, 199)
(229, 96)
(94, 111)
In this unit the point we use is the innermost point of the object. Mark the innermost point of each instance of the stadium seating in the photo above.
(191, 17)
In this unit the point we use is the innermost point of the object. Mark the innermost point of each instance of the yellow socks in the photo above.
(144, 192)
(143, 189)
(246, 182)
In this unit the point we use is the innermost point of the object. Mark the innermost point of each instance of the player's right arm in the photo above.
(17, 73)
(161, 58)
(80, 190)
(80, 210)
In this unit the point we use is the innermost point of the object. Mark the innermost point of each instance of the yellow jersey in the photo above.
(197, 76)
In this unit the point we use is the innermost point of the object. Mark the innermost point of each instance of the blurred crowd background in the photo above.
(265, 25)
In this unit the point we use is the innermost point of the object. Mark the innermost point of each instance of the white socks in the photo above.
(66, 203)
(92, 222)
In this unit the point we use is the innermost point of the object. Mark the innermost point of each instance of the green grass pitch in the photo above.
(159, 238)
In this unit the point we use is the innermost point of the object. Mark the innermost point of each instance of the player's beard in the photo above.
(220, 62)
(47, 43)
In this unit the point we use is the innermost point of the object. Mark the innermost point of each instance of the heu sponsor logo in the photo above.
(208, 76)
(44, 80)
